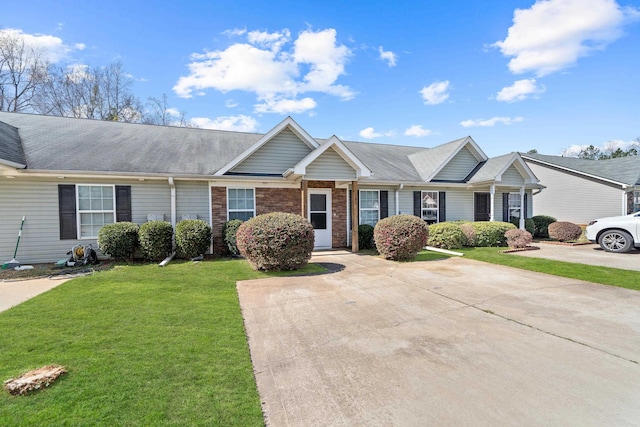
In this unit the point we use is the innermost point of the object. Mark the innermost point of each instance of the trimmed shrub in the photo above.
(156, 239)
(229, 230)
(446, 235)
(193, 238)
(119, 240)
(541, 224)
(276, 241)
(365, 236)
(517, 239)
(564, 231)
(490, 234)
(400, 237)
(469, 234)
(529, 225)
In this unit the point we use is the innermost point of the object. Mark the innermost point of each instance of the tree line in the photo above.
(31, 84)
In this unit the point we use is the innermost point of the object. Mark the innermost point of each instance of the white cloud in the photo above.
(435, 93)
(490, 122)
(519, 91)
(606, 148)
(552, 34)
(173, 112)
(284, 106)
(417, 131)
(239, 123)
(387, 55)
(277, 76)
(230, 103)
(52, 48)
(370, 133)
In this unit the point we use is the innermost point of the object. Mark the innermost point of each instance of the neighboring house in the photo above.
(72, 176)
(580, 190)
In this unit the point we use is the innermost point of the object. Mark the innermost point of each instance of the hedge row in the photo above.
(155, 239)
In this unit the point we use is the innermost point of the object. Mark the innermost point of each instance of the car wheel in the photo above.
(616, 241)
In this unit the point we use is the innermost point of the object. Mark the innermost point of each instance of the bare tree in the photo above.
(22, 72)
(160, 113)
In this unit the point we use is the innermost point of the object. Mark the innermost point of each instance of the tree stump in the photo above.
(34, 380)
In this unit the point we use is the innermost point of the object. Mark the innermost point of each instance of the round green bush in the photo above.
(446, 235)
(564, 231)
(400, 237)
(365, 236)
(229, 230)
(541, 224)
(156, 239)
(276, 241)
(517, 239)
(119, 240)
(529, 225)
(491, 233)
(193, 238)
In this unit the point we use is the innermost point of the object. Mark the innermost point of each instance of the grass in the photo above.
(590, 273)
(143, 345)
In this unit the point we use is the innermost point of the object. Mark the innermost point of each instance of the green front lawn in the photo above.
(590, 273)
(143, 345)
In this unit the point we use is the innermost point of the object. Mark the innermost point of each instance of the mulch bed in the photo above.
(555, 242)
(528, 248)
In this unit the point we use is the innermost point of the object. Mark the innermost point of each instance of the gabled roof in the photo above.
(621, 171)
(11, 153)
(287, 123)
(342, 150)
(431, 161)
(493, 168)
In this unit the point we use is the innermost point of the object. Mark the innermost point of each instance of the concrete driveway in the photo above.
(591, 254)
(452, 342)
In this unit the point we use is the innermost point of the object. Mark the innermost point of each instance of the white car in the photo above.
(615, 233)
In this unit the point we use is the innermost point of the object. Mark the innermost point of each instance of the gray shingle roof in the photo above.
(491, 168)
(82, 145)
(624, 170)
(10, 148)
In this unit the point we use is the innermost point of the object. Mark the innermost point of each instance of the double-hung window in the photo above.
(369, 207)
(515, 207)
(96, 208)
(241, 203)
(430, 206)
(636, 201)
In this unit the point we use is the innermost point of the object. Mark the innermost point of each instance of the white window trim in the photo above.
(520, 207)
(229, 210)
(636, 201)
(437, 208)
(360, 208)
(78, 211)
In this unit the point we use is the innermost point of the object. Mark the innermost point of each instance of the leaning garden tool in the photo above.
(14, 263)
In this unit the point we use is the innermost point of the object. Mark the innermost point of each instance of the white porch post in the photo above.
(492, 197)
(522, 212)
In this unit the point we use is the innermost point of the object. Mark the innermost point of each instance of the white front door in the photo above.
(320, 216)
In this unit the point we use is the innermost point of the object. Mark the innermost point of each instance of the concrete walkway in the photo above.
(446, 343)
(13, 293)
(590, 254)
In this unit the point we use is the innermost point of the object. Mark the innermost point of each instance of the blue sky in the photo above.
(515, 75)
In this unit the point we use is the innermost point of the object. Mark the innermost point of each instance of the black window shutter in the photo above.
(417, 203)
(123, 203)
(442, 206)
(526, 207)
(505, 207)
(384, 204)
(67, 211)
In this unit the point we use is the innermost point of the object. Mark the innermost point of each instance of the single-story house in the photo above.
(580, 190)
(71, 176)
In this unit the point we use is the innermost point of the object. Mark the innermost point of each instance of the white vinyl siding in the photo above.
(458, 167)
(330, 166)
(276, 156)
(573, 198)
(37, 198)
(512, 177)
(192, 198)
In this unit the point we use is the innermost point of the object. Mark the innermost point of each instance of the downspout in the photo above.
(398, 198)
(492, 196)
(172, 185)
